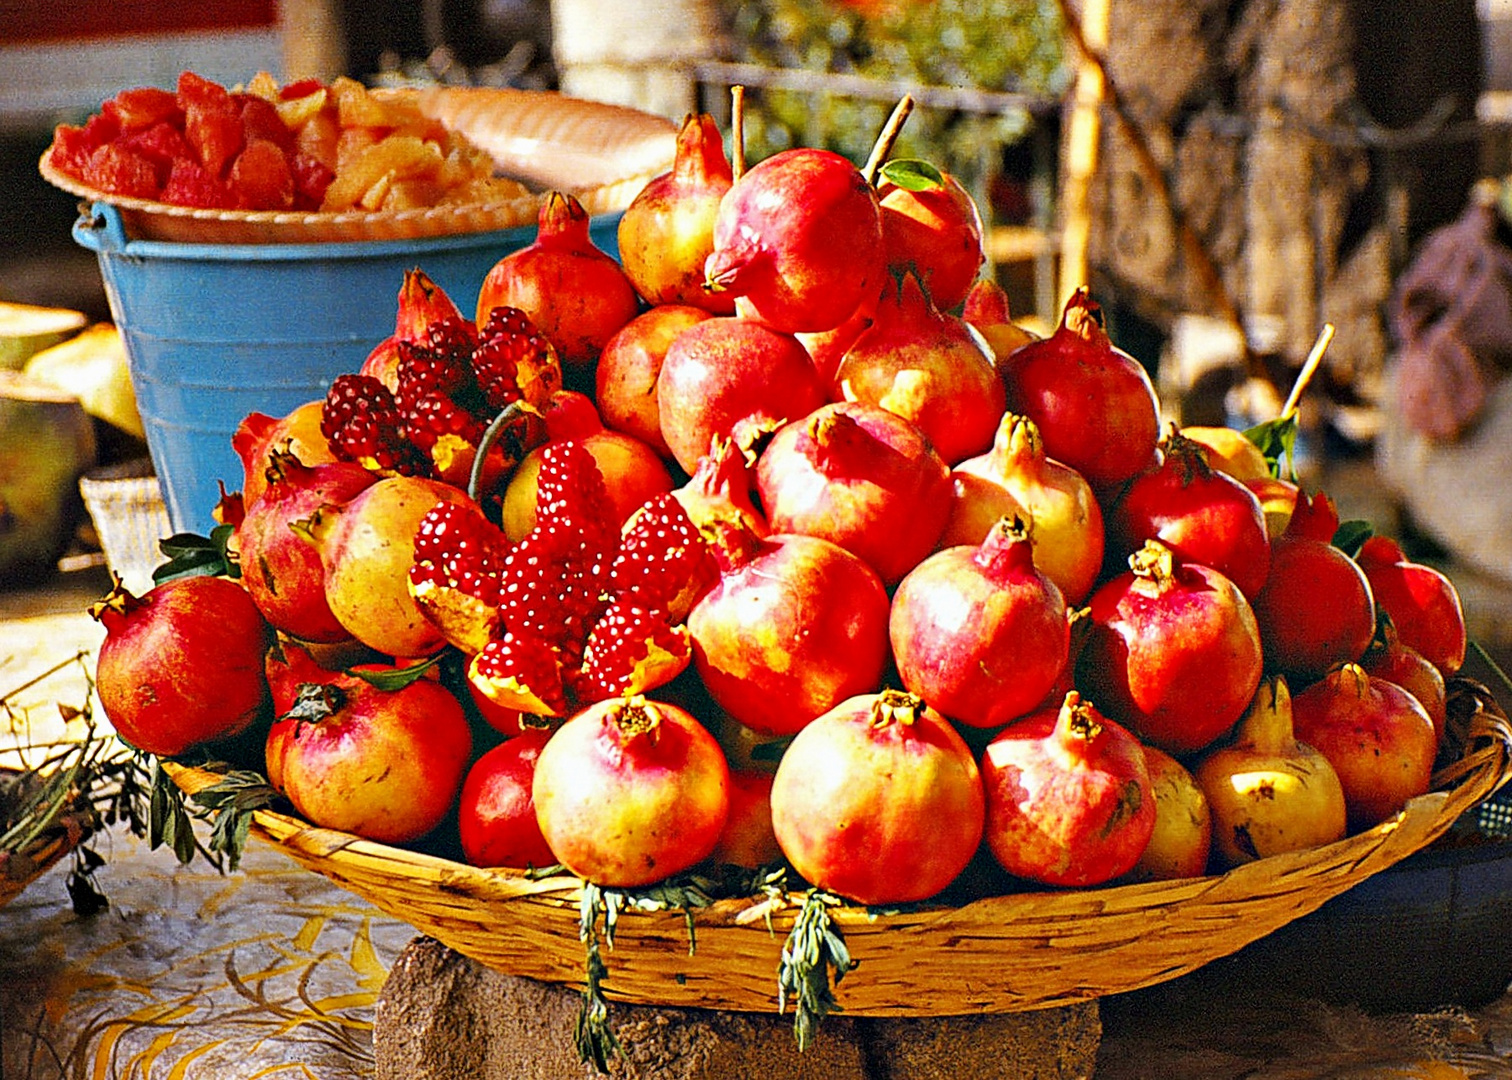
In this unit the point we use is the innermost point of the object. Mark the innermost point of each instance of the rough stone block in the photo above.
(442, 1016)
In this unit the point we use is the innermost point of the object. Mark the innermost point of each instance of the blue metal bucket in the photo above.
(216, 331)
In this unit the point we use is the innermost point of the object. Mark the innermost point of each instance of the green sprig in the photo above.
(814, 948)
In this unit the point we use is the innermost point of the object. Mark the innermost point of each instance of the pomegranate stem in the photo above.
(884, 144)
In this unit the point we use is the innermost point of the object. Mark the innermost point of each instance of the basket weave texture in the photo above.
(998, 954)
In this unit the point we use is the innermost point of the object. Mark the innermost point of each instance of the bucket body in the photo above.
(214, 332)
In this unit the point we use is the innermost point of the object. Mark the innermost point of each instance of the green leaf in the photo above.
(397, 678)
(168, 819)
(814, 948)
(1277, 440)
(1351, 535)
(594, 1037)
(191, 555)
(912, 174)
(231, 803)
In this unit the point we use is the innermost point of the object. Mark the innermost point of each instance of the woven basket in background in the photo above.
(126, 505)
(999, 954)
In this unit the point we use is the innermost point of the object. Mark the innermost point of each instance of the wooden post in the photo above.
(1083, 132)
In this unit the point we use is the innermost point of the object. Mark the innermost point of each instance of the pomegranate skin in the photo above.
(628, 792)
(862, 477)
(879, 800)
(730, 378)
(799, 238)
(937, 229)
(1069, 797)
(1172, 652)
(1423, 603)
(625, 376)
(1094, 404)
(979, 632)
(795, 625)
(183, 664)
(496, 817)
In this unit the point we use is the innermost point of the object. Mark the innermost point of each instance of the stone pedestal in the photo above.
(442, 1016)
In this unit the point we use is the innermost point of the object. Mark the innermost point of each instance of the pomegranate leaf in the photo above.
(1350, 535)
(912, 174)
(595, 1038)
(1277, 439)
(231, 802)
(168, 819)
(395, 678)
(813, 948)
(190, 555)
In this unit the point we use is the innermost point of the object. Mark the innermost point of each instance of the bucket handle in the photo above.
(101, 229)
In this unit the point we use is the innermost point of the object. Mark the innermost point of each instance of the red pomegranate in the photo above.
(181, 665)
(297, 433)
(1172, 651)
(748, 839)
(496, 815)
(625, 377)
(1094, 403)
(1392, 659)
(878, 800)
(1069, 798)
(1203, 515)
(927, 366)
(1423, 603)
(979, 632)
(799, 238)
(795, 625)
(629, 791)
(860, 476)
(731, 378)
(1316, 609)
(280, 570)
(931, 223)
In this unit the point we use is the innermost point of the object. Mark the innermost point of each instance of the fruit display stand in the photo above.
(998, 954)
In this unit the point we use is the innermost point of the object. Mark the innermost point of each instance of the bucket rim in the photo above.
(101, 229)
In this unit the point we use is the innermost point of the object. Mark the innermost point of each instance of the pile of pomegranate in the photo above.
(775, 541)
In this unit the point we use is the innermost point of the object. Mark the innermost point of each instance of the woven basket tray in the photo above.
(998, 954)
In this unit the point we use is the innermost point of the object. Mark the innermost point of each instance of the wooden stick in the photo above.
(737, 130)
(1309, 367)
(882, 148)
(1082, 137)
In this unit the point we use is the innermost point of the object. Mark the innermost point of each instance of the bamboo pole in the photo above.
(1089, 32)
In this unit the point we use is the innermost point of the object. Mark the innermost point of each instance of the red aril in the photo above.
(1069, 799)
(932, 224)
(571, 290)
(1375, 735)
(633, 472)
(1172, 651)
(799, 238)
(625, 378)
(280, 570)
(1423, 603)
(1016, 477)
(794, 625)
(383, 764)
(879, 800)
(629, 791)
(860, 476)
(666, 234)
(732, 378)
(181, 665)
(496, 815)
(979, 632)
(1201, 514)
(1316, 609)
(422, 303)
(1094, 403)
(927, 366)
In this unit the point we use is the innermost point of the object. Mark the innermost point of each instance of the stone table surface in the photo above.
(274, 971)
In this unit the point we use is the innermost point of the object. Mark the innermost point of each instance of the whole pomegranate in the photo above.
(878, 800)
(383, 764)
(1069, 799)
(795, 625)
(625, 378)
(1422, 602)
(860, 476)
(366, 548)
(1375, 735)
(722, 486)
(297, 433)
(1182, 840)
(666, 234)
(495, 812)
(1094, 403)
(931, 223)
(799, 238)
(927, 366)
(280, 570)
(182, 665)
(1392, 659)
(1268, 792)
(987, 310)
(1201, 514)
(629, 791)
(1016, 477)
(1316, 609)
(731, 378)
(748, 839)
(979, 632)
(1172, 651)
(573, 292)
